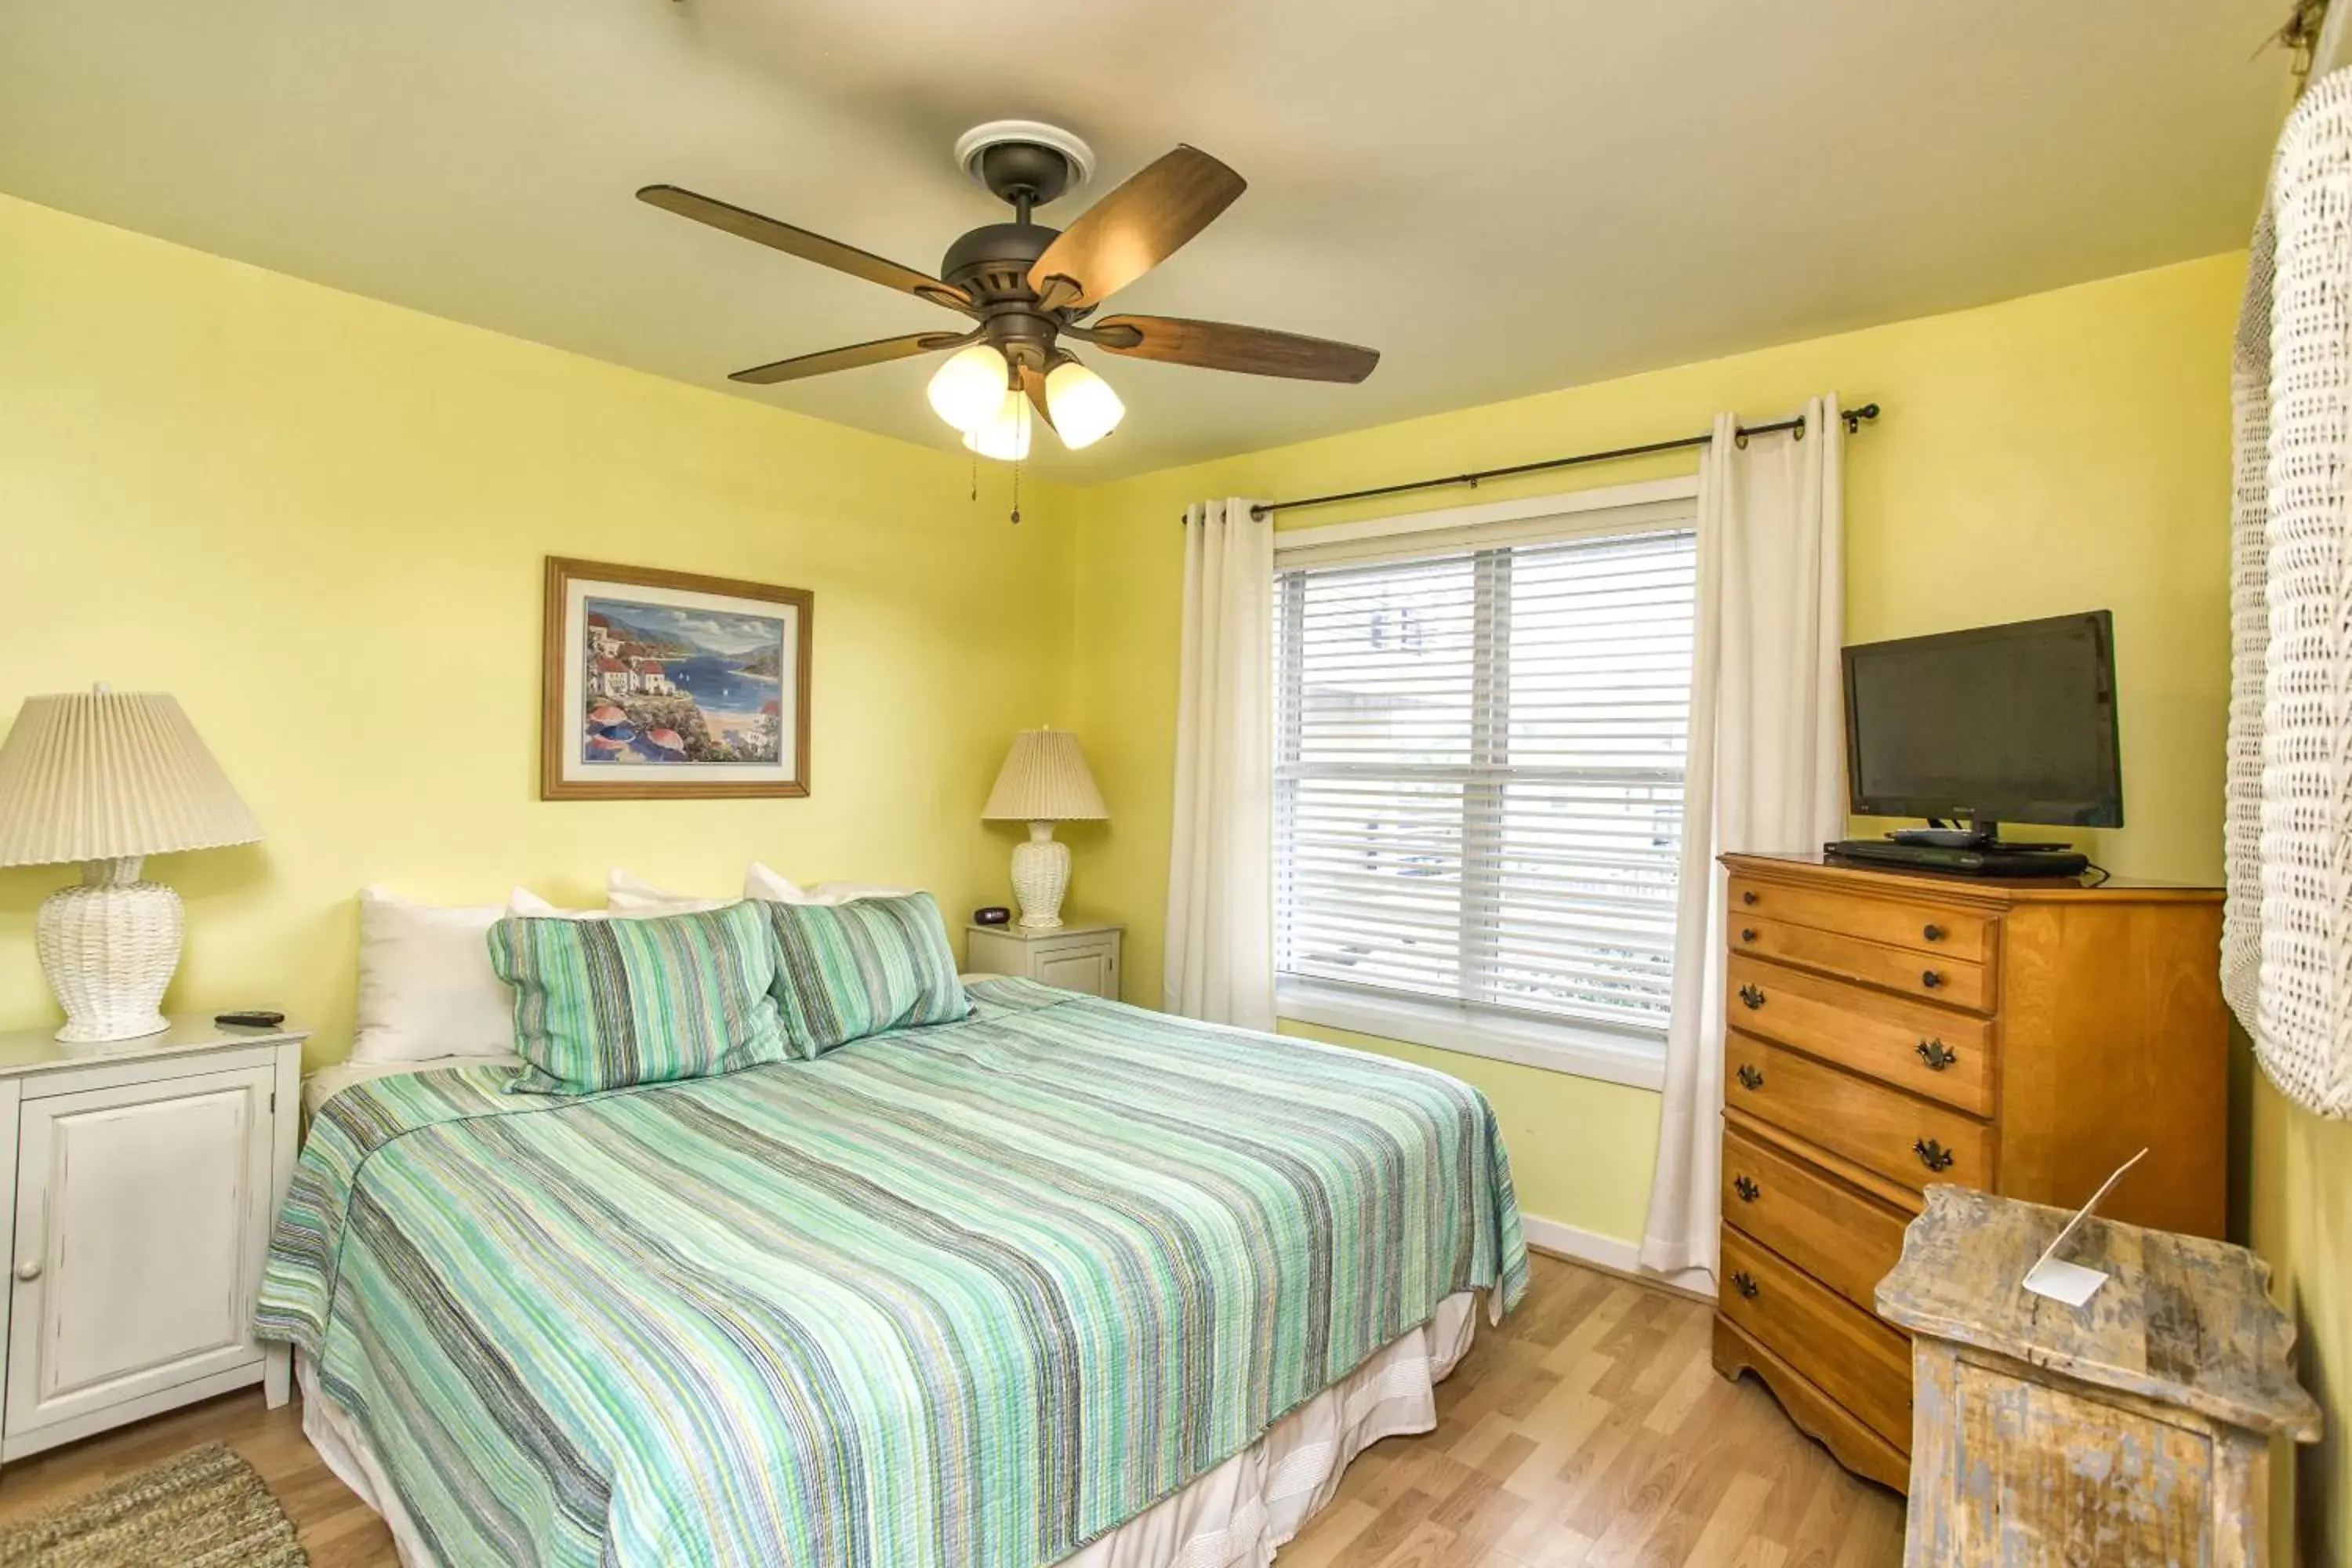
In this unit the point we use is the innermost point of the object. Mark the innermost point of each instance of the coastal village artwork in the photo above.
(662, 684)
(665, 685)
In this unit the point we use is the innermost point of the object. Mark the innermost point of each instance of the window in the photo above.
(1479, 783)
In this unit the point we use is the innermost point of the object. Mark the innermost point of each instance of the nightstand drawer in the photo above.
(1078, 958)
(1908, 1141)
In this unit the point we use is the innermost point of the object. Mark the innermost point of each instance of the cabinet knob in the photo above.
(29, 1271)
(1748, 1191)
(1749, 897)
(1933, 1155)
(1745, 1283)
(1748, 934)
(1750, 1078)
(1937, 1055)
(1933, 932)
(1751, 997)
(1931, 978)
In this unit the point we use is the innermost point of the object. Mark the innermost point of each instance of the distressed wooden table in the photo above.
(2133, 1429)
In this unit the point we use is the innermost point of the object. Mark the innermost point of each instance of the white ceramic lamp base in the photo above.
(1041, 875)
(109, 948)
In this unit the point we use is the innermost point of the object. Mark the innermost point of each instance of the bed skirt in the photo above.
(1233, 1516)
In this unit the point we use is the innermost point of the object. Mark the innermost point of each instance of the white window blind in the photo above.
(1479, 775)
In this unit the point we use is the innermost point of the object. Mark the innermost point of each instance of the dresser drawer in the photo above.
(1956, 981)
(1846, 1240)
(1943, 1056)
(1908, 1141)
(1962, 935)
(1859, 1360)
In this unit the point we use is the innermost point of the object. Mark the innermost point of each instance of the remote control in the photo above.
(255, 1018)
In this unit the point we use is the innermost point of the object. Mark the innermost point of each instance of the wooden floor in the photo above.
(1589, 1432)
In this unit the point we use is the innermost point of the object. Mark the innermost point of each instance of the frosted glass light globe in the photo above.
(1084, 406)
(967, 391)
(1006, 437)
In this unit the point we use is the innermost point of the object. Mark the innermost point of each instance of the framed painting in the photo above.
(668, 686)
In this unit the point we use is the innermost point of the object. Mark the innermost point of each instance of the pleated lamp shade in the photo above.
(103, 776)
(1044, 778)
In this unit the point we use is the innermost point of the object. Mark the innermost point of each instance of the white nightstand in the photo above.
(140, 1178)
(1073, 957)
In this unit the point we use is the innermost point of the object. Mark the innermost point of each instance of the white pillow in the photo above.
(426, 988)
(626, 895)
(759, 882)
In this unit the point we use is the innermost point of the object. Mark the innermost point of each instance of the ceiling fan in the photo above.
(1030, 289)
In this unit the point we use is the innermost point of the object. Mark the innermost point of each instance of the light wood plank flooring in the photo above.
(1590, 1432)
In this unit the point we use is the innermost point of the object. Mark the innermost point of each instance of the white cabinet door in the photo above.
(1088, 968)
(141, 1213)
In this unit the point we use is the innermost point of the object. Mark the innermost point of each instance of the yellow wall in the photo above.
(1566, 1135)
(2081, 438)
(2066, 451)
(2301, 1196)
(321, 522)
(321, 519)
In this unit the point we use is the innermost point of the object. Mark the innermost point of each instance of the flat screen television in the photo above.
(2009, 723)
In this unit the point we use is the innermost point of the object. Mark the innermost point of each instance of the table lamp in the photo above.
(108, 778)
(1044, 781)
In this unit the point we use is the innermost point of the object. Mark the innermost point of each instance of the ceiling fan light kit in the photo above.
(1005, 436)
(1083, 407)
(1026, 287)
(970, 387)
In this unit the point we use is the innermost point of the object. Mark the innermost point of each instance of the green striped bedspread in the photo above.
(958, 1297)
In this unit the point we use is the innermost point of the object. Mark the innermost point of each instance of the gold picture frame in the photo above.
(672, 686)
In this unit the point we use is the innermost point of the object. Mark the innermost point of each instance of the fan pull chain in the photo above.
(975, 473)
(1016, 492)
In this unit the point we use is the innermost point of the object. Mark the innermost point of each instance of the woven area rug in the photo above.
(206, 1509)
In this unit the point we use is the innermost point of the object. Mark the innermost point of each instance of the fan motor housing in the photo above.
(992, 264)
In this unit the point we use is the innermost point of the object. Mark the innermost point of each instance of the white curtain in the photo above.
(1220, 954)
(2286, 929)
(1766, 771)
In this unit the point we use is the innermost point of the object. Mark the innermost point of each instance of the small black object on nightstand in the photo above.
(993, 915)
(253, 1018)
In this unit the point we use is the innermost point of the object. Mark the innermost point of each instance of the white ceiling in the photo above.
(1502, 195)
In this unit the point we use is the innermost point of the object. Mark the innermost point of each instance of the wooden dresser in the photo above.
(1890, 1029)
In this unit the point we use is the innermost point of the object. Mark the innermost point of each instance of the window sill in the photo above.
(1580, 1051)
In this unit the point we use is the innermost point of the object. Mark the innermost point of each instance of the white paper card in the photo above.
(2062, 1281)
(2071, 1282)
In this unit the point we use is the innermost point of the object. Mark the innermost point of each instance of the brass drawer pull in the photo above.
(1937, 1055)
(1745, 1283)
(1931, 978)
(1751, 997)
(1750, 1078)
(1933, 1155)
(1748, 934)
(1933, 932)
(1748, 1191)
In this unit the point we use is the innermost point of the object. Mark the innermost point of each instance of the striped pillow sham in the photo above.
(848, 971)
(601, 1004)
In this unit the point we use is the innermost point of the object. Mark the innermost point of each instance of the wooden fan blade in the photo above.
(1220, 345)
(808, 246)
(881, 352)
(1035, 385)
(1135, 228)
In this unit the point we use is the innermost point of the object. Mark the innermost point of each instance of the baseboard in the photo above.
(1610, 1254)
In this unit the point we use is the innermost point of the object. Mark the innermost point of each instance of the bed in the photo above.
(1065, 1281)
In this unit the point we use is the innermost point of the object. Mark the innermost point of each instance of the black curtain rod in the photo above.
(1854, 418)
